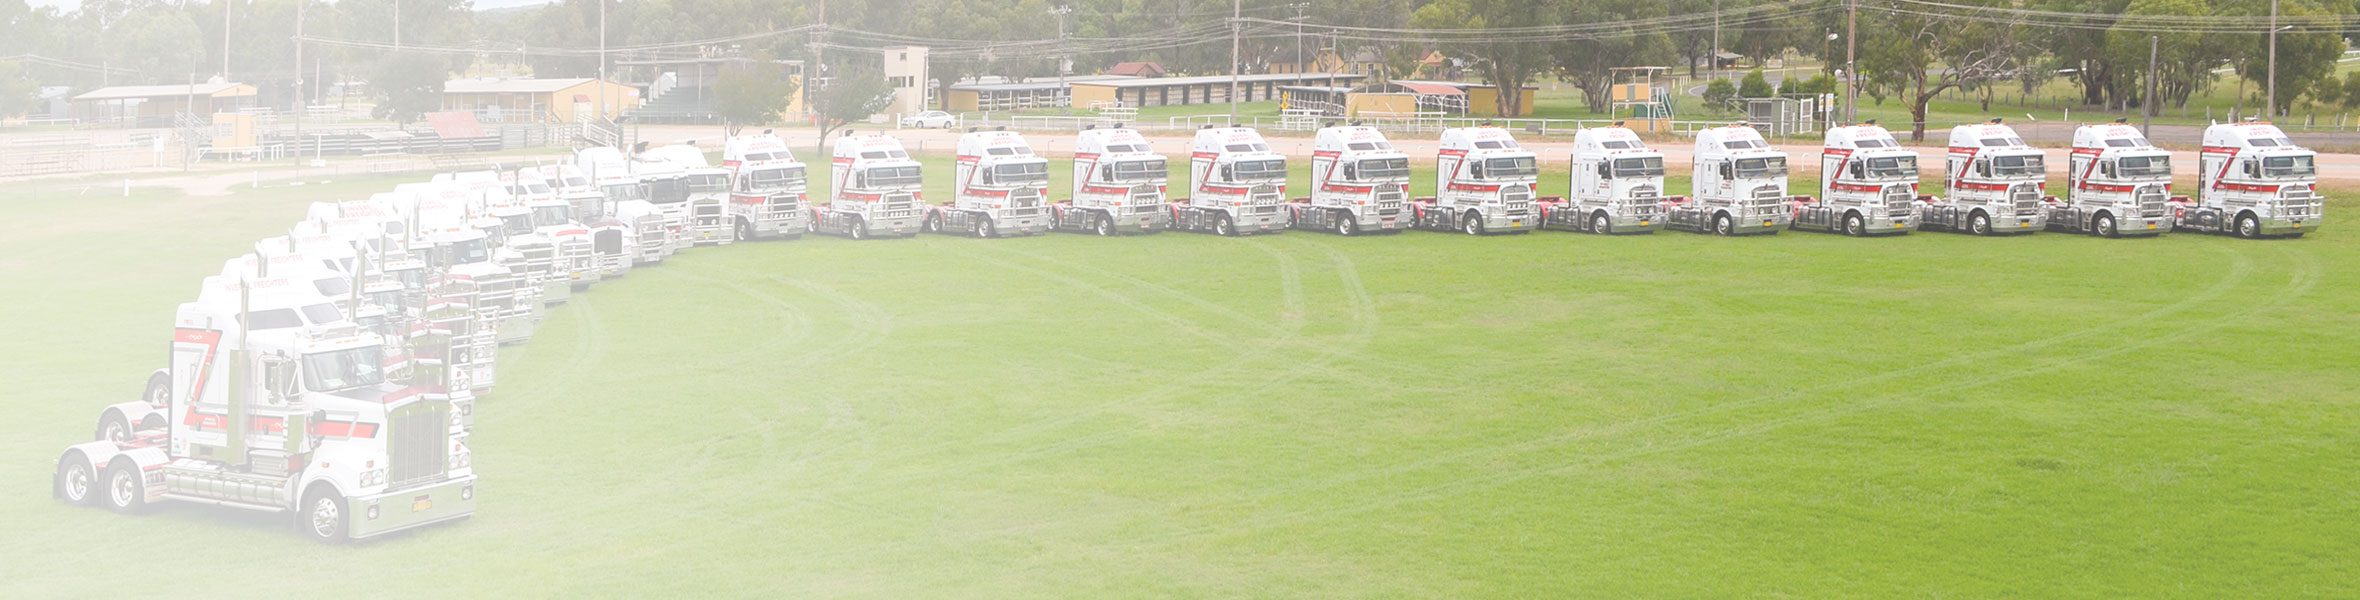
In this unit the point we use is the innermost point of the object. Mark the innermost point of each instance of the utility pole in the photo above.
(2147, 116)
(603, 87)
(811, 73)
(1064, 96)
(397, 25)
(1299, 6)
(1713, 63)
(1237, 11)
(301, 99)
(225, 6)
(2270, 106)
(1851, 61)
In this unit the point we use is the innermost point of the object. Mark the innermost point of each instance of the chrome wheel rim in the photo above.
(78, 482)
(122, 489)
(1599, 224)
(324, 516)
(115, 431)
(2248, 227)
(159, 395)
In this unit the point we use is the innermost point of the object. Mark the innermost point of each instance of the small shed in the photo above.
(1137, 69)
(538, 100)
(1482, 100)
(154, 105)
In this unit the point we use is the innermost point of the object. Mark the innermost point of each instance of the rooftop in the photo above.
(1242, 79)
(125, 92)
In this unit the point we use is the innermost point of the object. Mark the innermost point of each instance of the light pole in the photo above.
(1851, 64)
(1064, 97)
(1236, 12)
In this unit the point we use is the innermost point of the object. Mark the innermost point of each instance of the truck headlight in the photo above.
(373, 477)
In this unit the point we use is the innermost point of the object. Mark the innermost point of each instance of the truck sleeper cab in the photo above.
(1359, 184)
(1484, 183)
(999, 188)
(767, 189)
(874, 190)
(1737, 186)
(1867, 185)
(646, 230)
(1237, 186)
(1993, 184)
(1616, 185)
(1118, 186)
(702, 193)
(2253, 182)
(2116, 185)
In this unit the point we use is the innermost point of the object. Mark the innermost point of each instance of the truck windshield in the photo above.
(343, 369)
(1384, 168)
(1893, 166)
(773, 178)
(1510, 168)
(468, 252)
(708, 184)
(2016, 166)
(517, 224)
(332, 287)
(667, 191)
(1762, 167)
(1140, 170)
(1638, 167)
(625, 191)
(1259, 170)
(552, 216)
(2288, 166)
(891, 176)
(2146, 166)
(1021, 173)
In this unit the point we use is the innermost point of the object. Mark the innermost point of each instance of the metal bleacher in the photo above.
(678, 106)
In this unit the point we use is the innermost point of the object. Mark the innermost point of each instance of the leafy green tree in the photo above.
(162, 45)
(408, 86)
(18, 94)
(851, 94)
(1507, 64)
(2184, 59)
(2350, 98)
(1755, 86)
(1718, 93)
(1915, 58)
(1589, 61)
(2306, 53)
(751, 95)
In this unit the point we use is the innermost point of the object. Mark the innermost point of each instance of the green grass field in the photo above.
(1418, 415)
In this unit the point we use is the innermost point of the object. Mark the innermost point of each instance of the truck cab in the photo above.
(553, 218)
(275, 403)
(766, 189)
(1737, 185)
(1484, 182)
(1616, 185)
(874, 190)
(1359, 183)
(999, 188)
(1867, 184)
(2116, 184)
(1118, 185)
(2253, 182)
(1236, 185)
(442, 240)
(610, 255)
(1992, 184)
(645, 230)
(695, 189)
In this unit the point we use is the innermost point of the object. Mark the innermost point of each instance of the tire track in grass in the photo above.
(2301, 281)
(869, 326)
(1178, 322)
(1209, 306)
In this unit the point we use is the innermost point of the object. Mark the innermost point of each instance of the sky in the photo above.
(68, 5)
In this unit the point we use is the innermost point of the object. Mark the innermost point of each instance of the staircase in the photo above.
(678, 106)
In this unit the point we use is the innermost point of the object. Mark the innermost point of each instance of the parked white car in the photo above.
(932, 119)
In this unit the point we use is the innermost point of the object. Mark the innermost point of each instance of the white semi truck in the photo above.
(648, 232)
(2253, 182)
(611, 252)
(1484, 182)
(443, 238)
(766, 188)
(1992, 184)
(1737, 185)
(691, 188)
(1118, 185)
(998, 189)
(2116, 185)
(1867, 185)
(1616, 185)
(1237, 186)
(277, 404)
(873, 190)
(1359, 184)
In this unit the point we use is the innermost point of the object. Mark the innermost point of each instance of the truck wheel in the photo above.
(1346, 225)
(1600, 224)
(2249, 227)
(1980, 224)
(1471, 222)
(1855, 226)
(113, 428)
(983, 227)
(1102, 225)
(125, 492)
(933, 224)
(1222, 226)
(77, 480)
(856, 229)
(323, 516)
(745, 230)
(2105, 226)
(1723, 225)
(159, 390)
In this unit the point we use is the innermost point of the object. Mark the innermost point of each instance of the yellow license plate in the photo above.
(2298, 225)
(2023, 223)
(2150, 225)
(1642, 223)
(1900, 225)
(421, 506)
(1515, 223)
(1766, 223)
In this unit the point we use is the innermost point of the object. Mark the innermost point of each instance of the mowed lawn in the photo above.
(1415, 415)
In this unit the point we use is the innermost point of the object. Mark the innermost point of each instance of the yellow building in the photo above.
(154, 105)
(538, 100)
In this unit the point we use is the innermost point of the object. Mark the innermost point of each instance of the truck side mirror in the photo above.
(1351, 174)
(1856, 171)
(278, 378)
(1476, 170)
(1983, 168)
(1227, 174)
(2250, 171)
(1724, 170)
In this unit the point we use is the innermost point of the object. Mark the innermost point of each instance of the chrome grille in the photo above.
(577, 254)
(2027, 199)
(1897, 201)
(415, 436)
(2297, 203)
(1767, 200)
(2151, 202)
(784, 206)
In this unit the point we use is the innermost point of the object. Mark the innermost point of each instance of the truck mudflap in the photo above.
(1064, 216)
(1686, 214)
(951, 220)
(1427, 213)
(1340, 220)
(1936, 214)
(1220, 222)
(2188, 215)
(1809, 214)
(392, 511)
(1560, 213)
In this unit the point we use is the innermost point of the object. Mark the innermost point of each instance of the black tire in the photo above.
(77, 481)
(1346, 225)
(159, 390)
(1980, 224)
(1724, 225)
(1599, 223)
(983, 227)
(1471, 222)
(1223, 226)
(323, 516)
(857, 229)
(2104, 227)
(745, 230)
(1102, 225)
(2249, 227)
(933, 223)
(112, 427)
(1855, 226)
(123, 490)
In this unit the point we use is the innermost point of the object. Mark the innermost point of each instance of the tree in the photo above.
(1718, 93)
(2184, 60)
(1755, 85)
(852, 94)
(408, 86)
(2306, 53)
(1507, 64)
(751, 94)
(1916, 58)
(18, 95)
(1612, 41)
